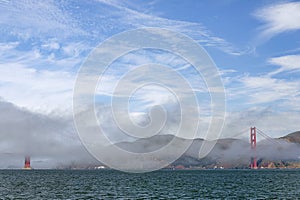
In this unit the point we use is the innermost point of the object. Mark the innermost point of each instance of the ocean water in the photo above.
(164, 184)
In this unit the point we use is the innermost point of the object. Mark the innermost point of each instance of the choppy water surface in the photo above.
(189, 184)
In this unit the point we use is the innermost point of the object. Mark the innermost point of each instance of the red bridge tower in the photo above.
(27, 163)
(253, 163)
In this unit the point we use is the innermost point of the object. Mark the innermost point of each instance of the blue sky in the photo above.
(255, 45)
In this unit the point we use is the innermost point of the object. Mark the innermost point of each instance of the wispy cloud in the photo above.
(40, 78)
(289, 63)
(256, 90)
(27, 19)
(156, 94)
(279, 18)
(136, 19)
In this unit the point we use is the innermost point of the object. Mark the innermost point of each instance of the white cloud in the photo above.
(26, 19)
(279, 18)
(264, 89)
(38, 90)
(289, 63)
(51, 45)
(37, 80)
(132, 61)
(7, 46)
(137, 19)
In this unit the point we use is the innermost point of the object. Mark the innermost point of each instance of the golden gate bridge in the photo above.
(253, 144)
(254, 132)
